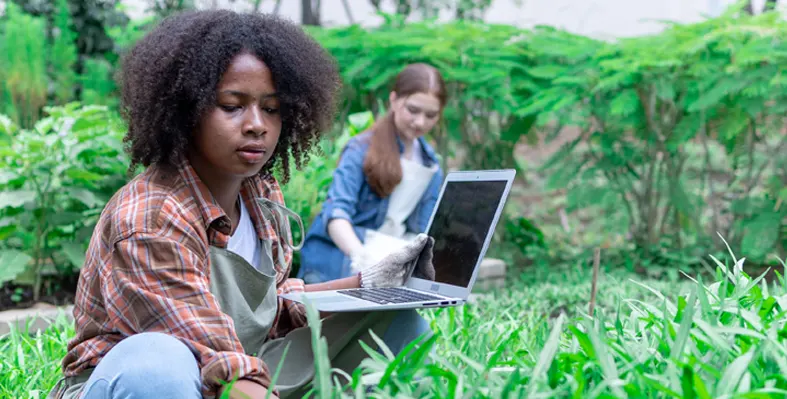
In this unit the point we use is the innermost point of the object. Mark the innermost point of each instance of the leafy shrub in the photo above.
(681, 133)
(55, 180)
(23, 74)
(484, 67)
(52, 53)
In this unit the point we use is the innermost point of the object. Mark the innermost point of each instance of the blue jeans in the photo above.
(156, 365)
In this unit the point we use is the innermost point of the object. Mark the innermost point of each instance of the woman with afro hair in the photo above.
(179, 293)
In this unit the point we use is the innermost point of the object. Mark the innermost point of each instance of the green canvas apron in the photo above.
(249, 297)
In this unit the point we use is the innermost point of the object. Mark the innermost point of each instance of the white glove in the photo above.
(375, 248)
(358, 259)
(396, 268)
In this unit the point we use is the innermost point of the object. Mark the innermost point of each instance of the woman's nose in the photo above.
(254, 123)
(419, 121)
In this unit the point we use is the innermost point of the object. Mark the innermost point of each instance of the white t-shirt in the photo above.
(418, 156)
(244, 241)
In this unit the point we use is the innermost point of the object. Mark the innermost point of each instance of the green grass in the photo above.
(650, 339)
(30, 363)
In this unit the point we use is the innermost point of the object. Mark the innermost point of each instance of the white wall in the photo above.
(597, 18)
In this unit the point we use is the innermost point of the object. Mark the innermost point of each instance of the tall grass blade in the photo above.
(685, 328)
(733, 374)
(547, 354)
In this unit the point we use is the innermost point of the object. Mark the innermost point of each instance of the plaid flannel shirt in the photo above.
(147, 270)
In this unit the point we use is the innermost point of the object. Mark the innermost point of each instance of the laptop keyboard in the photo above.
(389, 295)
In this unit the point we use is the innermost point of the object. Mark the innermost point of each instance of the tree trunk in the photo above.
(749, 9)
(348, 11)
(310, 12)
(403, 7)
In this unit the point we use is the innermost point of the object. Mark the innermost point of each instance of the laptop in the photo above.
(462, 224)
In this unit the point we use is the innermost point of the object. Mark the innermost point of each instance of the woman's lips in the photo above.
(252, 153)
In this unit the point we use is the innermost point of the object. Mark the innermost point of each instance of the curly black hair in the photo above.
(169, 79)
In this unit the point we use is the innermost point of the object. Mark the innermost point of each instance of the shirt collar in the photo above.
(214, 216)
(429, 156)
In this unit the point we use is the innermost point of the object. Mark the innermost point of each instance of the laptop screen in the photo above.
(460, 226)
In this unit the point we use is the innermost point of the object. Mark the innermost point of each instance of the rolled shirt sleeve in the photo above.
(291, 314)
(346, 185)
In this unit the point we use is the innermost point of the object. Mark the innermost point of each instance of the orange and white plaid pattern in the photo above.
(148, 267)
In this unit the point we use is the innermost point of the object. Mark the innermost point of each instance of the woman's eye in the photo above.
(271, 110)
(229, 108)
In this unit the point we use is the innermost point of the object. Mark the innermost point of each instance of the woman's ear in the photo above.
(394, 101)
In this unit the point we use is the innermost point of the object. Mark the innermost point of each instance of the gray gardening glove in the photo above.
(396, 268)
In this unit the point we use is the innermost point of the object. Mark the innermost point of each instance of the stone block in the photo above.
(492, 268)
(492, 275)
(489, 284)
(40, 316)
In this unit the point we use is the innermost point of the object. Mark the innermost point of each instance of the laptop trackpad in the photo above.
(337, 299)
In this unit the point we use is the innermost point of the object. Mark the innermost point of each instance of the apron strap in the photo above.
(280, 214)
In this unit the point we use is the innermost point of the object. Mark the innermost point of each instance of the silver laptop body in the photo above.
(462, 224)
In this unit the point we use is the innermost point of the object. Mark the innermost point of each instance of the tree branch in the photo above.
(649, 106)
(594, 282)
(348, 11)
(620, 188)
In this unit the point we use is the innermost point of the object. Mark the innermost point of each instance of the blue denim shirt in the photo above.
(350, 197)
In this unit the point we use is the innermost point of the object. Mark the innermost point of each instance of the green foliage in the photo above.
(679, 132)
(683, 128)
(14, 263)
(483, 66)
(23, 74)
(524, 234)
(63, 56)
(647, 338)
(124, 36)
(30, 360)
(91, 20)
(308, 187)
(55, 52)
(97, 84)
(56, 179)
(164, 8)
(683, 340)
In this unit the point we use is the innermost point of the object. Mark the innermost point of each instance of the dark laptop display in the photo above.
(460, 225)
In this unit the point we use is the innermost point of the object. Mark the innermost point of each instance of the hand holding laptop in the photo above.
(376, 246)
(426, 273)
(397, 267)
